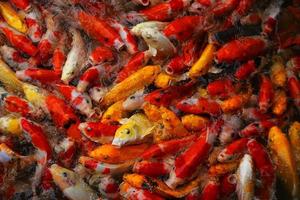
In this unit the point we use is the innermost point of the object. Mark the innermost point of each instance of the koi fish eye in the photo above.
(126, 131)
(65, 174)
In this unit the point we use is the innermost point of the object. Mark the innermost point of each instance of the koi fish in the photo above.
(9, 79)
(75, 59)
(134, 101)
(135, 129)
(98, 132)
(13, 58)
(10, 125)
(150, 32)
(71, 184)
(245, 178)
(282, 154)
(105, 168)
(12, 18)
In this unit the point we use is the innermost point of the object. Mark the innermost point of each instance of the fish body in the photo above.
(35, 95)
(13, 58)
(50, 38)
(12, 18)
(111, 154)
(245, 179)
(283, 157)
(136, 81)
(71, 184)
(134, 130)
(105, 168)
(34, 21)
(134, 101)
(79, 101)
(151, 33)
(294, 136)
(10, 125)
(98, 132)
(75, 59)
(8, 78)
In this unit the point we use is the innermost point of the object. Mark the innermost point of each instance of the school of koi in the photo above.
(149, 99)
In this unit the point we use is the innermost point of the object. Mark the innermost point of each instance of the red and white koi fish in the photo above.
(13, 58)
(167, 147)
(258, 128)
(66, 151)
(78, 100)
(105, 168)
(264, 166)
(127, 37)
(234, 150)
(91, 76)
(109, 187)
(40, 75)
(50, 38)
(152, 168)
(98, 132)
(34, 22)
(188, 162)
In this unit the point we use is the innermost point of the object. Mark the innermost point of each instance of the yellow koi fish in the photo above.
(135, 130)
(283, 157)
(9, 79)
(10, 125)
(12, 18)
(294, 135)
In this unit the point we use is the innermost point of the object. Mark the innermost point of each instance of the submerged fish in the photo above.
(245, 179)
(282, 155)
(35, 95)
(10, 125)
(75, 59)
(294, 135)
(71, 184)
(134, 101)
(9, 79)
(136, 129)
(156, 41)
